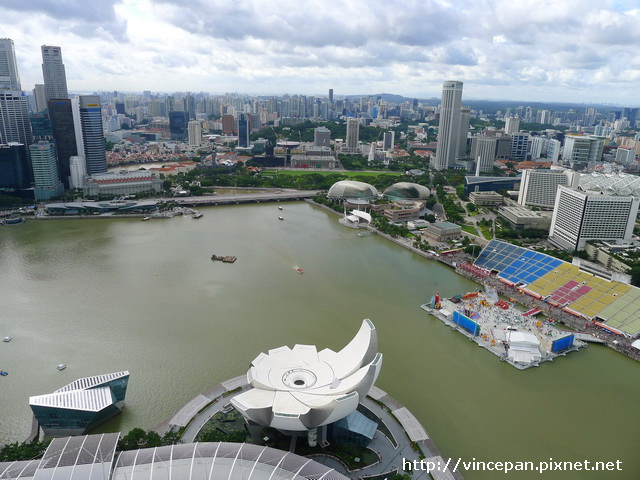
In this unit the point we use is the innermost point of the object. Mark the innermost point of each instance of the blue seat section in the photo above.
(515, 264)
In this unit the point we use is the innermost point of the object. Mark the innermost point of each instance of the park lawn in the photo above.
(469, 229)
(487, 233)
(344, 173)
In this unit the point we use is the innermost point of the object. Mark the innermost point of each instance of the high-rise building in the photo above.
(14, 110)
(553, 150)
(353, 134)
(55, 79)
(62, 125)
(9, 78)
(228, 125)
(41, 126)
(322, 137)
(244, 125)
(538, 146)
(178, 125)
(15, 167)
(580, 150)
(538, 188)
(14, 118)
(483, 151)
(512, 125)
(89, 132)
(45, 170)
(388, 140)
(463, 132)
(39, 96)
(625, 155)
(581, 215)
(448, 134)
(195, 133)
(78, 170)
(331, 96)
(519, 146)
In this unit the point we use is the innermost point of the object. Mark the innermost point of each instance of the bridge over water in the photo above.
(276, 196)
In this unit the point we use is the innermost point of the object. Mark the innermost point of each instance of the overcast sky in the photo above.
(547, 50)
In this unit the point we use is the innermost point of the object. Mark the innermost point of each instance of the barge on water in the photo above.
(224, 258)
(515, 337)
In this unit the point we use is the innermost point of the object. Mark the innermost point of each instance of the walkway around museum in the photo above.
(411, 445)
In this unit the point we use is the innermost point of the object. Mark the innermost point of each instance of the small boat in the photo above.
(280, 218)
(62, 366)
(224, 258)
(13, 221)
(3, 373)
(7, 339)
(146, 219)
(299, 270)
(197, 215)
(279, 208)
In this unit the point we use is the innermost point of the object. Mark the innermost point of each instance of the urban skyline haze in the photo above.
(571, 51)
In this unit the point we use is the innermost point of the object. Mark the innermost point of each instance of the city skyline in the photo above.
(576, 51)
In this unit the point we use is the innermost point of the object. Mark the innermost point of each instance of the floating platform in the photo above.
(516, 338)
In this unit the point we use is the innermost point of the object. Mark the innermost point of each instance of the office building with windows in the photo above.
(448, 129)
(483, 151)
(195, 133)
(178, 125)
(15, 167)
(89, 132)
(9, 78)
(353, 135)
(580, 150)
(519, 146)
(244, 129)
(64, 134)
(55, 78)
(322, 137)
(44, 162)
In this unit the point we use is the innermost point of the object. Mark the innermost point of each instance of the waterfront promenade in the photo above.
(409, 440)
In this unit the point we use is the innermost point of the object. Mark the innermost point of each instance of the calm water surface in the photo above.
(109, 295)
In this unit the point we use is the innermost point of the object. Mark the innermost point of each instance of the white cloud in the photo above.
(498, 48)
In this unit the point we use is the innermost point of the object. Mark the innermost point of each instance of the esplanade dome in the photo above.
(352, 189)
(407, 191)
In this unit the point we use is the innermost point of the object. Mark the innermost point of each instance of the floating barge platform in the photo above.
(516, 337)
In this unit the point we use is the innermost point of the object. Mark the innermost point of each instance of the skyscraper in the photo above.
(45, 170)
(353, 134)
(9, 78)
(483, 151)
(14, 111)
(55, 79)
(178, 125)
(243, 130)
(512, 125)
(448, 130)
(61, 115)
(463, 131)
(89, 133)
(388, 140)
(15, 168)
(38, 94)
(14, 118)
(195, 133)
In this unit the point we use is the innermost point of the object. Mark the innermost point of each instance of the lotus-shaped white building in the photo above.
(300, 389)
